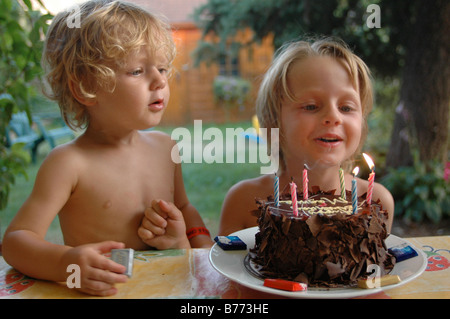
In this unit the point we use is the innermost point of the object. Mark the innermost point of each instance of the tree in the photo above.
(22, 30)
(421, 122)
(413, 39)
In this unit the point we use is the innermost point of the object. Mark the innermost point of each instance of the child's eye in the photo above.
(346, 108)
(136, 72)
(163, 70)
(349, 107)
(310, 107)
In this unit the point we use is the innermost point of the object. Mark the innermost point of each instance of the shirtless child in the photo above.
(110, 77)
(319, 95)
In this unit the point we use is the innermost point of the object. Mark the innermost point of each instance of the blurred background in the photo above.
(224, 48)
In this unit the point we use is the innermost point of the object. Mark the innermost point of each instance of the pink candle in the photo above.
(294, 197)
(371, 178)
(305, 184)
(370, 189)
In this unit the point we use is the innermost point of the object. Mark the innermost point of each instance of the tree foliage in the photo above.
(382, 48)
(22, 29)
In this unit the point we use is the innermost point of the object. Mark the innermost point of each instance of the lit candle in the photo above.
(305, 183)
(294, 197)
(276, 186)
(342, 182)
(371, 178)
(354, 190)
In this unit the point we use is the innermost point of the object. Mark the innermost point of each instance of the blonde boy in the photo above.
(319, 95)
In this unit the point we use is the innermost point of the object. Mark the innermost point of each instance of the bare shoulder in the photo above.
(387, 201)
(158, 136)
(255, 187)
(384, 195)
(64, 156)
(379, 193)
(161, 143)
(240, 202)
(61, 169)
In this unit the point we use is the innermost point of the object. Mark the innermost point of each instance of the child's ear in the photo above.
(80, 96)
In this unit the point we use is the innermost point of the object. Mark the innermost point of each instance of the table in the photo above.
(189, 274)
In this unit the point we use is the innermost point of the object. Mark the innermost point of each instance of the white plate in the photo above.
(231, 264)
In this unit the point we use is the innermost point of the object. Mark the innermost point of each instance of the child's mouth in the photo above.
(329, 140)
(157, 105)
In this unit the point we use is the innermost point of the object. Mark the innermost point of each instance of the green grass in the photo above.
(206, 184)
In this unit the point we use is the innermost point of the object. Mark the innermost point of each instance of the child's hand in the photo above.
(163, 226)
(98, 273)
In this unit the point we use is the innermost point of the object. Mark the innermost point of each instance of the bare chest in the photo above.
(110, 197)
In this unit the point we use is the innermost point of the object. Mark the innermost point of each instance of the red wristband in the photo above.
(195, 231)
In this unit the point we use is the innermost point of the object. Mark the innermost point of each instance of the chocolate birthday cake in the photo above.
(325, 244)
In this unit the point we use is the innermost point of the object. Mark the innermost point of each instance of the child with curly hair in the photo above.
(116, 181)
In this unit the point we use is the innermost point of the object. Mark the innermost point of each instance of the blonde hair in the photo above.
(274, 87)
(88, 54)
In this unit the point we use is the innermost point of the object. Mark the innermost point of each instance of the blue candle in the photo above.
(276, 187)
(354, 191)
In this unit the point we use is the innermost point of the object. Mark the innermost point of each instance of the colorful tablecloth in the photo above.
(189, 274)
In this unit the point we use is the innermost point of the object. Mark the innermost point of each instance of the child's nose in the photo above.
(332, 117)
(158, 81)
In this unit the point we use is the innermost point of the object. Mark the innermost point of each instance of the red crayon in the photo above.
(285, 285)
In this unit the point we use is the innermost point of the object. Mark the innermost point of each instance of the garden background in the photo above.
(224, 48)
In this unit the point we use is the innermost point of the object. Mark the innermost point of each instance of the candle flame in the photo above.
(369, 161)
(355, 171)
